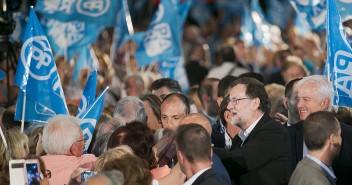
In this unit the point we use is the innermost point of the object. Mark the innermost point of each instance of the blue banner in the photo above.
(37, 77)
(174, 68)
(162, 40)
(89, 91)
(89, 11)
(339, 57)
(86, 59)
(89, 118)
(69, 37)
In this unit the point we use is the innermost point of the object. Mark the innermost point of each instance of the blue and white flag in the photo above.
(183, 9)
(345, 9)
(70, 36)
(89, 91)
(339, 57)
(90, 116)
(89, 11)
(174, 68)
(86, 59)
(36, 76)
(162, 40)
(254, 29)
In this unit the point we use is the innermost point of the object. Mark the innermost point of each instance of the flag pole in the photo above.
(130, 31)
(23, 111)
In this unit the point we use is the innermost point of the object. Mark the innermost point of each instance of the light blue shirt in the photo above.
(243, 134)
(327, 169)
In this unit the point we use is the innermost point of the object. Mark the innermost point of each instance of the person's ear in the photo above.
(325, 103)
(256, 103)
(285, 102)
(180, 156)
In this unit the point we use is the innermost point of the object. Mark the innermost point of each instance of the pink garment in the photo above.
(62, 166)
(160, 172)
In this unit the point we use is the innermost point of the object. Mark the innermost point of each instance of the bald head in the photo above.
(197, 118)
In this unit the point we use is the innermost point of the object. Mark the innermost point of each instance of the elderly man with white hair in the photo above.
(63, 142)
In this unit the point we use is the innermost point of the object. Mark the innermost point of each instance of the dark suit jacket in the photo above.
(264, 158)
(309, 172)
(217, 136)
(342, 165)
(208, 178)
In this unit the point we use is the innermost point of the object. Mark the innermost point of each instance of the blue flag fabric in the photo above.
(70, 36)
(37, 77)
(86, 59)
(162, 40)
(89, 91)
(339, 57)
(89, 118)
(89, 11)
(174, 68)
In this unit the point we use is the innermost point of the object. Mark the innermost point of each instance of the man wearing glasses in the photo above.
(260, 152)
(63, 142)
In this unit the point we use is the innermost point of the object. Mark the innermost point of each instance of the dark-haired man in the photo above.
(194, 155)
(165, 86)
(322, 135)
(260, 152)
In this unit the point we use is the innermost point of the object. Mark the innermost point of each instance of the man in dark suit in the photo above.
(315, 93)
(260, 152)
(193, 145)
(322, 135)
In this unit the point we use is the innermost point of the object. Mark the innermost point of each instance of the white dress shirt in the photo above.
(195, 176)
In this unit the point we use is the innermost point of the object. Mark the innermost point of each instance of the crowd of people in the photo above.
(251, 115)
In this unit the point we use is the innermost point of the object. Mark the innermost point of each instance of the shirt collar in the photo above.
(327, 169)
(243, 134)
(195, 176)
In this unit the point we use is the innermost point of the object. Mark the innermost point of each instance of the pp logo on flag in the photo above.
(343, 72)
(37, 51)
(93, 8)
(157, 40)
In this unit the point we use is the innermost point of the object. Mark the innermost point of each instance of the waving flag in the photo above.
(86, 59)
(124, 29)
(70, 36)
(41, 95)
(339, 57)
(162, 39)
(90, 116)
(89, 11)
(89, 91)
(174, 68)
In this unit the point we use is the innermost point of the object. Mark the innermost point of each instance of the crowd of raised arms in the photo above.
(246, 115)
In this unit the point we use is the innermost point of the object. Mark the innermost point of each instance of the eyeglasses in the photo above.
(235, 101)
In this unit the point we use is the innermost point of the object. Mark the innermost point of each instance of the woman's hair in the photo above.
(137, 136)
(134, 169)
(155, 103)
(113, 153)
(17, 143)
(33, 137)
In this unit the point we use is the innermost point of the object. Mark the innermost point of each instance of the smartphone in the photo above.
(18, 173)
(33, 172)
(86, 174)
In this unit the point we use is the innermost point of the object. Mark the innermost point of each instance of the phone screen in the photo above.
(33, 174)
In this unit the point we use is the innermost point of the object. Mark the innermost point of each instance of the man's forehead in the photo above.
(238, 89)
